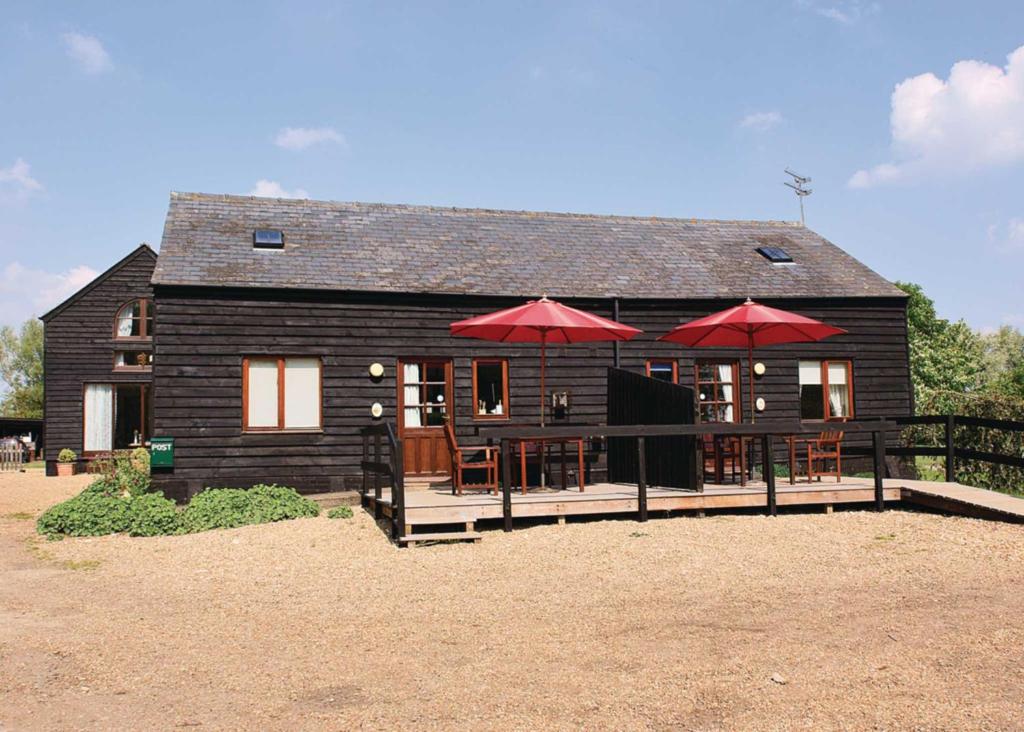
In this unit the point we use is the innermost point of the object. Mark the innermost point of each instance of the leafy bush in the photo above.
(128, 473)
(66, 456)
(225, 508)
(153, 515)
(344, 512)
(1006, 442)
(90, 513)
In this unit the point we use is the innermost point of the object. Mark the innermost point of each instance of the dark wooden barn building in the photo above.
(267, 315)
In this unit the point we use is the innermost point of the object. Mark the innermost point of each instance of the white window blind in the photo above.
(302, 393)
(262, 393)
(810, 372)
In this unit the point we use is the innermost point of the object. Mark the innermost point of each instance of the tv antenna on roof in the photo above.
(799, 186)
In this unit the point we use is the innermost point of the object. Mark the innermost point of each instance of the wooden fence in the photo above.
(11, 457)
(950, 450)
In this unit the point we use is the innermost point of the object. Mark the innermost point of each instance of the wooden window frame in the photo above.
(145, 394)
(449, 395)
(132, 369)
(849, 388)
(281, 396)
(675, 367)
(504, 391)
(737, 402)
(144, 335)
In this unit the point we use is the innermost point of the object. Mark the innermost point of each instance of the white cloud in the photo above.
(88, 52)
(970, 121)
(26, 292)
(1006, 238)
(17, 182)
(272, 189)
(845, 12)
(299, 138)
(760, 121)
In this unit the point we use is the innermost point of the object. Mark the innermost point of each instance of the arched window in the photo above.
(134, 320)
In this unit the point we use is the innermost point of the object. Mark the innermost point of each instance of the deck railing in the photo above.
(766, 431)
(949, 448)
(374, 466)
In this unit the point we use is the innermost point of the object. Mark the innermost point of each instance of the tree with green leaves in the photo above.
(944, 356)
(21, 370)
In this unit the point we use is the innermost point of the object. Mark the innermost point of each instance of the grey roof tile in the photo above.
(207, 241)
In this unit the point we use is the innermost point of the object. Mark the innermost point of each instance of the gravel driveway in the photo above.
(844, 621)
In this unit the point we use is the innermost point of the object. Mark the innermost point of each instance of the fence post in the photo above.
(768, 468)
(365, 488)
(950, 449)
(641, 479)
(878, 442)
(506, 484)
(398, 492)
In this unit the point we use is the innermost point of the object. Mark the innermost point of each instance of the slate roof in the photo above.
(207, 241)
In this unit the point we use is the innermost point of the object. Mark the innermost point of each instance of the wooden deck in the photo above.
(435, 506)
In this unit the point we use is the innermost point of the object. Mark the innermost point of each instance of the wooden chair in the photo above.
(731, 455)
(470, 458)
(826, 446)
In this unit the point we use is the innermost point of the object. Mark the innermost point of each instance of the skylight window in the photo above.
(268, 239)
(775, 255)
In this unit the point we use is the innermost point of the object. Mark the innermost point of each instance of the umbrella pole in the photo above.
(750, 364)
(543, 447)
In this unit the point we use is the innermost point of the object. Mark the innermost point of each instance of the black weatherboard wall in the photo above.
(204, 333)
(79, 347)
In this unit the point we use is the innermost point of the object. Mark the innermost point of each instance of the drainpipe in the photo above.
(615, 344)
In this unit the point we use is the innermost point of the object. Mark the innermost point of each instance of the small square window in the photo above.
(268, 239)
(775, 255)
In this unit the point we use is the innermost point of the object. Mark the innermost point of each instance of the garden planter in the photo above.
(65, 469)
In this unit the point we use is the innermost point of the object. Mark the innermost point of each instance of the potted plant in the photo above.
(66, 460)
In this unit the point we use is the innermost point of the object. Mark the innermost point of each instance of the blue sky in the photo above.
(668, 109)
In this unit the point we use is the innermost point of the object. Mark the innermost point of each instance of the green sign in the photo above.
(161, 452)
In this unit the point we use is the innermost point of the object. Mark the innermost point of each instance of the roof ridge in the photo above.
(424, 208)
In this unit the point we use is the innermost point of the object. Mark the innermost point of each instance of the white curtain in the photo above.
(725, 380)
(124, 320)
(302, 393)
(99, 417)
(411, 394)
(838, 394)
(262, 393)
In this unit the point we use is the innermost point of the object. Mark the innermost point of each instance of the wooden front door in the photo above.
(424, 401)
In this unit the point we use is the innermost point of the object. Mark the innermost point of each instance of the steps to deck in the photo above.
(336, 498)
(411, 539)
(964, 500)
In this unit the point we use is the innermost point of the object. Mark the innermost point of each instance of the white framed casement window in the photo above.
(826, 390)
(281, 393)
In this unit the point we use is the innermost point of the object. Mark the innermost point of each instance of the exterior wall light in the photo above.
(759, 404)
(376, 370)
(759, 368)
(376, 410)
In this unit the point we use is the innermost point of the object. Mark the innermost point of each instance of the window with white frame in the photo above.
(281, 393)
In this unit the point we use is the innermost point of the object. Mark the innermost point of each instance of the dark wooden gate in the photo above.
(671, 462)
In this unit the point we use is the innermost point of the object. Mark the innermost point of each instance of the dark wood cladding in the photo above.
(79, 347)
(204, 333)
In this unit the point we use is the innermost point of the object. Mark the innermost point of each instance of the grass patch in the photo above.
(886, 537)
(19, 516)
(85, 565)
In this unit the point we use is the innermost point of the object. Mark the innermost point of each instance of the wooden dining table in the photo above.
(542, 445)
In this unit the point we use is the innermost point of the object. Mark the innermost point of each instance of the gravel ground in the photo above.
(844, 621)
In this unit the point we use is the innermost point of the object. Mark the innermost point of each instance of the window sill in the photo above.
(286, 431)
(491, 417)
(133, 369)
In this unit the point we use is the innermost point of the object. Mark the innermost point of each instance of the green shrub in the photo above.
(66, 456)
(128, 473)
(104, 509)
(344, 512)
(226, 508)
(153, 515)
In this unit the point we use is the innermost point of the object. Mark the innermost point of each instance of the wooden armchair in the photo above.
(471, 458)
(826, 446)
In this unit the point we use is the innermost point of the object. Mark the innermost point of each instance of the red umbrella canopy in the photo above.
(748, 325)
(542, 321)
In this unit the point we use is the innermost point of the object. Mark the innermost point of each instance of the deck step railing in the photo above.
(950, 450)
(375, 466)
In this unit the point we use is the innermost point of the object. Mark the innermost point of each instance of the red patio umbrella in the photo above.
(542, 321)
(748, 325)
